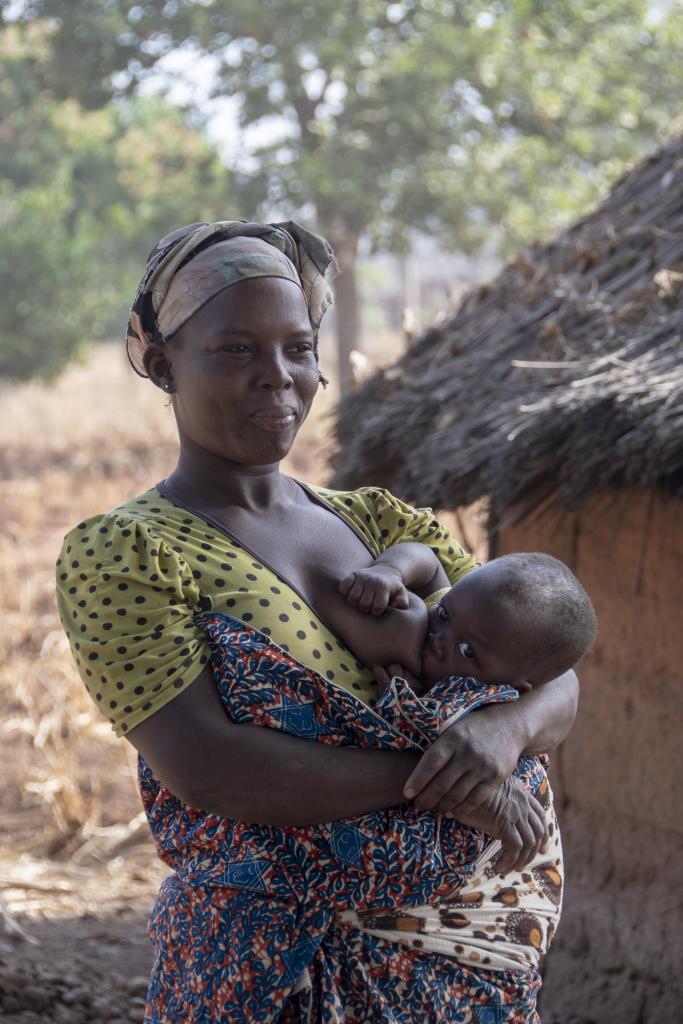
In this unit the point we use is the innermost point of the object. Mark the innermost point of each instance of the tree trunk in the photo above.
(347, 301)
(346, 297)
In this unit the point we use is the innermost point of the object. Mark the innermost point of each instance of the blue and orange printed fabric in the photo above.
(242, 926)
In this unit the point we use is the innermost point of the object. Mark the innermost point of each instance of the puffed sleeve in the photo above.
(127, 602)
(388, 520)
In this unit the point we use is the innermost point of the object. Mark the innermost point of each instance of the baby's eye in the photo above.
(465, 650)
(442, 613)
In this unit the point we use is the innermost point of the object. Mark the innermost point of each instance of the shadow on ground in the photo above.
(81, 970)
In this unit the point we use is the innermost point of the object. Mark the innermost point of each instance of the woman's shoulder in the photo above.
(385, 519)
(135, 538)
(103, 530)
(380, 511)
(368, 499)
(128, 599)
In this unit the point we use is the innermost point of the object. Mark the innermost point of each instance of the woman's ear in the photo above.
(158, 367)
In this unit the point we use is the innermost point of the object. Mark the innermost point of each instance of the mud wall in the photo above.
(618, 778)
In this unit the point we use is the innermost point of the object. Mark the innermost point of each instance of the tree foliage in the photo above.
(483, 123)
(83, 195)
(394, 114)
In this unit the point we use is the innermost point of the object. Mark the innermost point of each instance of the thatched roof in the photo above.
(562, 376)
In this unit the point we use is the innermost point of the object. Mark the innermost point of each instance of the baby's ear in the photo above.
(524, 686)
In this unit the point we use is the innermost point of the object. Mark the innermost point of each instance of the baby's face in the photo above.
(469, 633)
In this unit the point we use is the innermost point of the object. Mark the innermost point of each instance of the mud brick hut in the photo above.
(557, 393)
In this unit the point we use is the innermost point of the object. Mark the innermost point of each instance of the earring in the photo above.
(323, 380)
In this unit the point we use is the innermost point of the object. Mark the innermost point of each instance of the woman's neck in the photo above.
(209, 483)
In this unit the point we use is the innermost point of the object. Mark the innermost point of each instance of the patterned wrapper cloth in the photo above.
(394, 916)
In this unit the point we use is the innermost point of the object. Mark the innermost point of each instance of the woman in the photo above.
(225, 321)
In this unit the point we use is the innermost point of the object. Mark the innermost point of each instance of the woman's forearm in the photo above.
(261, 775)
(275, 779)
(271, 778)
(543, 717)
(471, 758)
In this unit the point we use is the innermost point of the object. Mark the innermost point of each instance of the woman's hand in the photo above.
(375, 589)
(514, 816)
(467, 763)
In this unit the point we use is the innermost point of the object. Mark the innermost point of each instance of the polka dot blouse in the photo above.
(130, 584)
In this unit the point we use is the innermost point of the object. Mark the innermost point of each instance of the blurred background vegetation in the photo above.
(482, 125)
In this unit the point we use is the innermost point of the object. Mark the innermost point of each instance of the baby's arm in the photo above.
(385, 583)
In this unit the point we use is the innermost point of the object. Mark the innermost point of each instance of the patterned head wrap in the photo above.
(193, 264)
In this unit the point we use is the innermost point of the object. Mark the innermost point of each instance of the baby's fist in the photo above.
(374, 589)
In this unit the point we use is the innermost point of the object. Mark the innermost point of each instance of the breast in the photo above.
(325, 558)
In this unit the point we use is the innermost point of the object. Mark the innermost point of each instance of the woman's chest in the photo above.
(279, 579)
(311, 548)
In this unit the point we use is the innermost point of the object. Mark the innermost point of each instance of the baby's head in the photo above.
(521, 619)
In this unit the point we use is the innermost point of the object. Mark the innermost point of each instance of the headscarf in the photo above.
(190, 266)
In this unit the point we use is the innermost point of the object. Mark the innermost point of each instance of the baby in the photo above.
(522, 619)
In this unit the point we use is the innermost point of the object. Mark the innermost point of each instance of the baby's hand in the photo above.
(375, 589)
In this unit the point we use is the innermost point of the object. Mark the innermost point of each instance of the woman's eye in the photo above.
(305, 346)
(442, 613)
(466, 650)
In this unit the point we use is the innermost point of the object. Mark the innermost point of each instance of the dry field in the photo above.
(78, 872)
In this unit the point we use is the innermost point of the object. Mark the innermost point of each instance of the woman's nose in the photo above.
(274, 374)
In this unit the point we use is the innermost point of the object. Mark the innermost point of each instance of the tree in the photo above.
(84, 194)
(470, 120)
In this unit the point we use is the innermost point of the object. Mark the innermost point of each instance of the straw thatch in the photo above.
(563, 375)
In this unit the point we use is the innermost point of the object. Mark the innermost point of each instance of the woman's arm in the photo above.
(260, 775)
(472, 758)
(267, 777)
(549, 713)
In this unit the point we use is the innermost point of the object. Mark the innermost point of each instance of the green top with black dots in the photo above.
(131, 582)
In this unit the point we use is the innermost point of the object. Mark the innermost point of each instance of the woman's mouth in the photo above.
(274, 419)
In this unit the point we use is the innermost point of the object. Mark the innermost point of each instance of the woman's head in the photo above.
(226, 319)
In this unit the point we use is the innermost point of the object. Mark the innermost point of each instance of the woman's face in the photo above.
(243, 371)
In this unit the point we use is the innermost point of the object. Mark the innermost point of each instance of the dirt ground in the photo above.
(78, 873)
(78, 965)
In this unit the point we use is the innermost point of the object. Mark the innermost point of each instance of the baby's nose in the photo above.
(435, 642)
